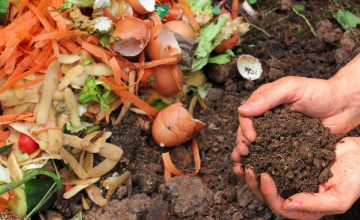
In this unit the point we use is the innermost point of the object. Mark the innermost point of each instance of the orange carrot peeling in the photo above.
(189, 15)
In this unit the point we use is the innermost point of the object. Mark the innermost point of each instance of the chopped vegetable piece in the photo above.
(87, 62)
(4, 10)
(5, 148)
(68, 187)
(4, 175)
(222, 58)
(97, 91)
(27, 144)
(18, 204)
(81, 3)
(206, 45)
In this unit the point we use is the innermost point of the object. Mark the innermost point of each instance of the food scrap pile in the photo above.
(65, 66)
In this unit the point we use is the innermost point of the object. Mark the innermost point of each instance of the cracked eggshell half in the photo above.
(249, 67)
(130, 37)
(182, 28)
(142, 6)
(163, 44)
(174, 126)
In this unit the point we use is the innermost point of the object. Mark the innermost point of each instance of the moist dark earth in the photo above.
(296, 150)
(216, 192)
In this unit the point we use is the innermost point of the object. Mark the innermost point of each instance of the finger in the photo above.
(275, 201)
(239, 171)
(241, 143)
(253, 183)
(330, 202)
(337, 124)
(247, 129)
(279, 92)
(235, 155)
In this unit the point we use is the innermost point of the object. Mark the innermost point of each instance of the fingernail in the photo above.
(247, 107)
(263, 180)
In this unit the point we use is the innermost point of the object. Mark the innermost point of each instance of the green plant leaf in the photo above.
(299, 7)
(346, 19)
(216, 10)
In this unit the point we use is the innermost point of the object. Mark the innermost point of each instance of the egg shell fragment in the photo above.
(163, 44)
(132, 34)
(174, 126)
(182, 28)
(249, 67)
(165, 82)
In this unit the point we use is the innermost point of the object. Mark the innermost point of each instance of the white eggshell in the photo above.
(249, 67)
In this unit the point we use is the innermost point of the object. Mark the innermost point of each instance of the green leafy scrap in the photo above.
(251, 2)
(347, 19)
(208, 42)
(5, 148)
(97, 91)
(222, 58)
(299, 7)
(65, 6)
(84, 125)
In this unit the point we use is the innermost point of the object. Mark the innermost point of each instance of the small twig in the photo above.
(306, 20)
(254, 26)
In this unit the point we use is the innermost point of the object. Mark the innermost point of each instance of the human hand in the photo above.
(335, 101)
(335, 196)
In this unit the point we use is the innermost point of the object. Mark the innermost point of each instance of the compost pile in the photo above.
(297, 151)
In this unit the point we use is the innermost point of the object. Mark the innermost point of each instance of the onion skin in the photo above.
(174, 126)
(230, 43)
(155, 50)
(165, 83)
(182, 28)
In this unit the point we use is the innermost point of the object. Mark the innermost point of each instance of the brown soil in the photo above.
(297, 151)
(216, 193)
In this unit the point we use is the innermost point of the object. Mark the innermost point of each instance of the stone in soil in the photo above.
(188, 196)
(297, 151)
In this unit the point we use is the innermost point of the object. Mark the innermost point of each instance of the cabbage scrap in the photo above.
(207, 43)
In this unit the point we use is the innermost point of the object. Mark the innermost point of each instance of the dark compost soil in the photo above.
(216, 193)
(295, 150)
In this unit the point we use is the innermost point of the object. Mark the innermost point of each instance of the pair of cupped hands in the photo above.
(336, 102)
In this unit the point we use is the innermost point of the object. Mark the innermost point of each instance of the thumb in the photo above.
(328, 202)
(282, 91)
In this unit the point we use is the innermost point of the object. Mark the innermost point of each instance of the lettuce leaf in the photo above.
(207, 44)
(97, 91)
(200, 6)
(222, 58)
(71, 129)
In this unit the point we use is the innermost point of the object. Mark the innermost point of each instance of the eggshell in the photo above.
(165, 83)
(249, 67)
(162, 44)
(133, 36)
(174, 126)
(142, 6)
(182, 28)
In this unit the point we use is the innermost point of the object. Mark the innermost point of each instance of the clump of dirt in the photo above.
(296, 150)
